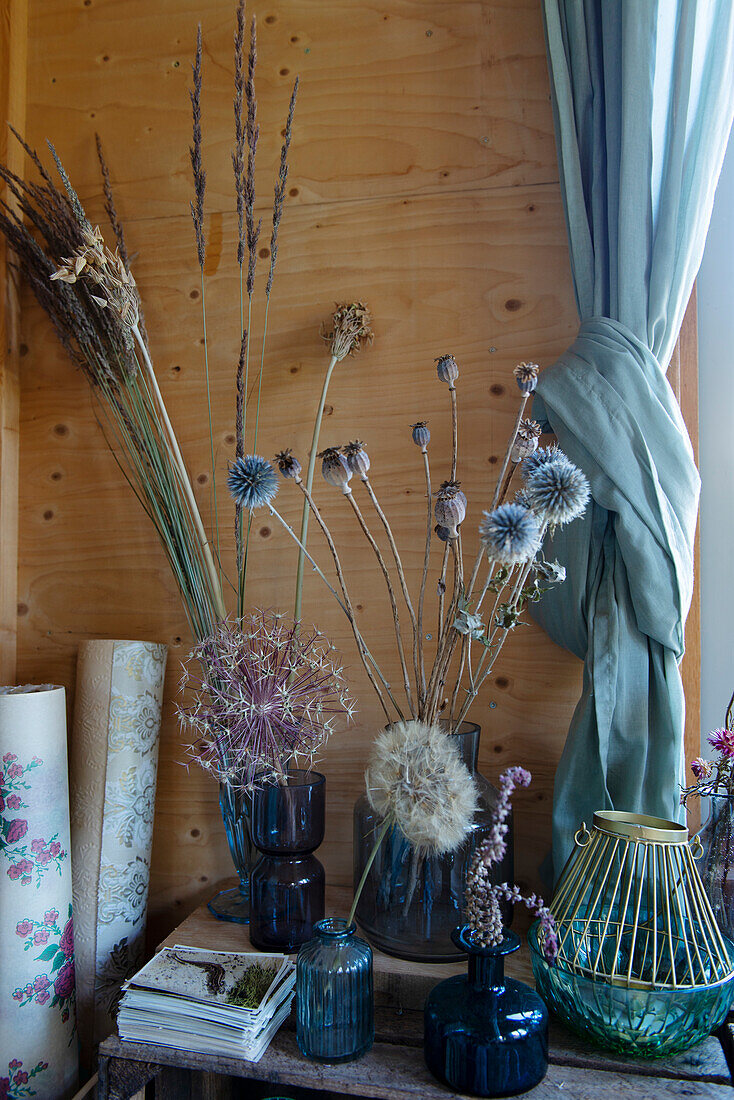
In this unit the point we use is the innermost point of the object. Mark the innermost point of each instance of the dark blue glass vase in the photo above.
(287, 883)
(334, 1002)
(485, 1034)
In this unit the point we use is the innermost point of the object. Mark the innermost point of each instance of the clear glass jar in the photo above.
(411, 903)
(717, 862)
(334, 999)
(287, 884)
(234, 904)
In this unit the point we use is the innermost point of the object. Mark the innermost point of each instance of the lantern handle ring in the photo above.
(696, 846)
(582, 836)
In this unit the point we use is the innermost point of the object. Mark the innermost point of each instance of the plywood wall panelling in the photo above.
(13, 57)
(423, 180)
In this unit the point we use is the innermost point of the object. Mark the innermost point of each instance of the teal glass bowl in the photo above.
(643, 1023)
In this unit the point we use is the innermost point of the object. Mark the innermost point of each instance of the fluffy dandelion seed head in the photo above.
(288, 464)
(526, 376)
(416, 776)
(252, 481)
(558, 491)
(421, 434)
(450, 507)
(510, 534)
(723, 741)
(335, 469)
(447, 369)
(357, 458)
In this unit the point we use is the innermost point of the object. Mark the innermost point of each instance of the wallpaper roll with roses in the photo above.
(114, 758)
(37, 997)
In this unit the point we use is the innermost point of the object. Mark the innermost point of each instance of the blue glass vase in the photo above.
(234, 904)
(485, 1034)
(334, 1001)
(287, 884)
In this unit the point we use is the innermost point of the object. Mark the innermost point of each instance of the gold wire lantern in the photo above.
(631, 909)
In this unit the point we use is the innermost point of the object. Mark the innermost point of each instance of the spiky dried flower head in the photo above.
(450, 507)
(539, 458)
(335, 469)
(252, 481)
(483, 897)
(417, 778)
(288, 464)
(421, 434)
(357, 458)
(723, 741)
(447, 369)
(510, 534)
(349, 331)
(558, 491)
(114, 284)
(526, 376)
(526, 440)
(261, 691)
(702, 769)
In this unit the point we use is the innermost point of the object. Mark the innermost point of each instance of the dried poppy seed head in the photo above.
(335, 470)
(450, 507)
(421, 434)
(357, 458)
(351, 329)
(447, 369)
(288, 464)
(526, 376)
(526, 441)
(443, 533)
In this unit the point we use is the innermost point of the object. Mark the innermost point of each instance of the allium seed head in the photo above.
(335, 469)
(288, 464)
(252, 481)
(447, 369)
(416, 776)
(421, 434)
(357, 458)
(510, 534)
(558, 491)
(526, 376)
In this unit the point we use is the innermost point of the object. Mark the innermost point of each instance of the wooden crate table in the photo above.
(394, 1068)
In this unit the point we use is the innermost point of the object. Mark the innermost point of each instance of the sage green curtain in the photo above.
(643, 96)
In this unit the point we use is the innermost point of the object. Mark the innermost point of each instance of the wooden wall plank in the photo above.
(13, 62)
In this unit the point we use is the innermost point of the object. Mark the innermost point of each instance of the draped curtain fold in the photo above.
(643, 98)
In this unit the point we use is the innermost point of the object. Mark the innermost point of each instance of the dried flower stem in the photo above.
(391, 593)
(401, 574)
(442, 593)
(368, 866)
(454, 432)
(347, 600)
(500, 480)
(309, 484)
(424, 577)
(183, 474)
(508, 480)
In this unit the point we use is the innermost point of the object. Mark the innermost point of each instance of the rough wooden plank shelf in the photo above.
(394, 1068)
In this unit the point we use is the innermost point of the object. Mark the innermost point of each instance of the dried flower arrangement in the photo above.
(482, 898)
(715, 777)
(263, 693)
(92, 299)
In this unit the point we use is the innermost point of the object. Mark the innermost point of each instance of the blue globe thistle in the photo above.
(539, 458)
(510, 534)
(252, 481)
(558, 491)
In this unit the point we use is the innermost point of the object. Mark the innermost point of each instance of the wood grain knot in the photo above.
(512, 305)
(497, 390)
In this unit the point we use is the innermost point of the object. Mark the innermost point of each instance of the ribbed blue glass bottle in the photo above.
(335, 1020)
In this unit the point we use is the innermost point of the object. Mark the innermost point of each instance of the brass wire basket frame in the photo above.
(631, 910)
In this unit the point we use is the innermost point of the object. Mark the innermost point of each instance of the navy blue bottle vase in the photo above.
(335, 1019)
(486, 1035)
(287, 883)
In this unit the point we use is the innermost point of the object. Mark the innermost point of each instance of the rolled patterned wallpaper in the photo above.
(38, 1044)
(114, 757)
